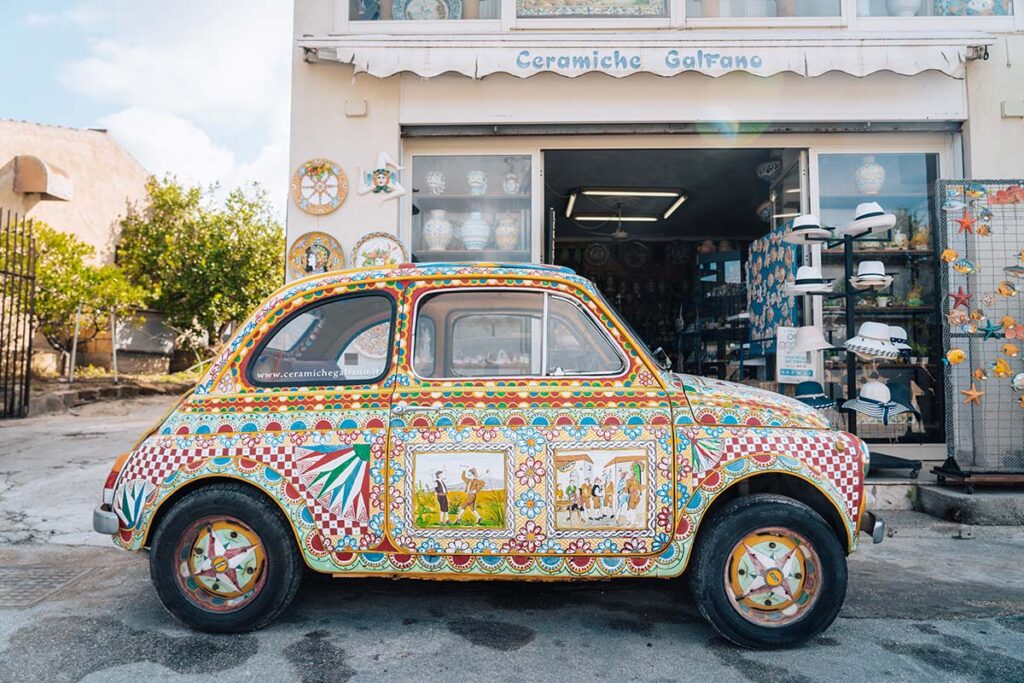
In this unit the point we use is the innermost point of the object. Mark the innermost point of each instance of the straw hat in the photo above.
(810, 338)
(898, 336)
(875, 401)
(813, 394)
(808, 280)
(804, 227)
(869, 218)
(872, 341)
(870, 275)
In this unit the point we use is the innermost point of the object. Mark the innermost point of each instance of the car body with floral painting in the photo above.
(482, 421)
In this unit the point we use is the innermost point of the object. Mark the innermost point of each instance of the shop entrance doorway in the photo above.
(664, 233)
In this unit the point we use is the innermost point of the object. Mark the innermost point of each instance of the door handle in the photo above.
(399, 408)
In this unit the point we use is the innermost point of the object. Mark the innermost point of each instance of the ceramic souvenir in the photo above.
(507, 231)
(477, 182)
(769, 170)
(435, 182)
(378, 249)
(319, 186)
(426, 10)
(903, 8)
(314, 253)
(402, 421)
(437, 230)
(511, 183)
(475, 232)
(596, 254)
(869, 176)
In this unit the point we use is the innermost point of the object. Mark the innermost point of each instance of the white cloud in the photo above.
(197, 88)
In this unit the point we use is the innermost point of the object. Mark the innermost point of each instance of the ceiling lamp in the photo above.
(622, 219)
(675, 196)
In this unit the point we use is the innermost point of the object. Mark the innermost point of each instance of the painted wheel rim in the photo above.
(222, 564)
(773, 576)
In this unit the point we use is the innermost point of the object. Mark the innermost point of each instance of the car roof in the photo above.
(412, 271)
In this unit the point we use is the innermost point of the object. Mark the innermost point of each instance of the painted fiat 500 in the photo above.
(482, 421)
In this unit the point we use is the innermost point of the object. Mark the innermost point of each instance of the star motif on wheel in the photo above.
(972, 395)
(991, 330)
(960, 298)
(966, 224)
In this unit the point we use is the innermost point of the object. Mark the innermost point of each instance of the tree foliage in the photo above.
(207, 265)
(67, 282)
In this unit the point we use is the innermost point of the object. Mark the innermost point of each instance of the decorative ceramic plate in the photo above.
(378, 249)
(596, 254)
(426, 10)
(677, 253)
(373, 343)
(314, 252)
(634, 254)
(319, 186)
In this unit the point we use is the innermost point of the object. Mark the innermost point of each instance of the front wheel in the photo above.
(224, 559)
(769, 572)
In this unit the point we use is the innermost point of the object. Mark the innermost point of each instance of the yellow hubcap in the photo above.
(772, 576)
(227, 559)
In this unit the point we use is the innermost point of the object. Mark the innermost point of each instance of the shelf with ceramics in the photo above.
(471, 208)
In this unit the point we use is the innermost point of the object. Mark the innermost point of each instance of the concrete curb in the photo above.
(983, 508)
(57, 402)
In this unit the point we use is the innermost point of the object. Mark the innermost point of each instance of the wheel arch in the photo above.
(790, 485)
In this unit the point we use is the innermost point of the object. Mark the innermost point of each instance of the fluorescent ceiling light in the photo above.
(632, 193)
(624, 219)
(675, 205)
(572, 203)
(793, 190)
(787, 215)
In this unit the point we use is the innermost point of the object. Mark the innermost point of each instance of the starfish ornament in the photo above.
(972, 395)
(961, 298)
(966, 224)
(991, 330)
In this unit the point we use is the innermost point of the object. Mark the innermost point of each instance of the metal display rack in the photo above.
(982, 223)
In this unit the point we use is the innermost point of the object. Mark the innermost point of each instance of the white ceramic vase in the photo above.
(477, 181)
(437, 230)
(903, 8)
(869, 176)
(476, 232)
(506, 232)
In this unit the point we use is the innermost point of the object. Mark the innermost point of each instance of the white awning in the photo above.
(664, 54)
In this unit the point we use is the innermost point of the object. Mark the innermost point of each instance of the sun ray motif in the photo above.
(337, 477)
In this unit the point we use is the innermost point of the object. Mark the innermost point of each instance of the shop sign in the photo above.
(792, 366)
(630, 61)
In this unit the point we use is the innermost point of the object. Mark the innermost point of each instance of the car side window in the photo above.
(504, 333)
(341, 341)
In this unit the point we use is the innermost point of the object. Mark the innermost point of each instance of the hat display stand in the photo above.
(846, 239)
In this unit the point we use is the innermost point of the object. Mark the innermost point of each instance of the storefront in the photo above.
(653, 166)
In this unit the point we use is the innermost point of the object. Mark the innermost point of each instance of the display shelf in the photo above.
(422, 255)
(908, 311)
(916, 253)
(434, 198)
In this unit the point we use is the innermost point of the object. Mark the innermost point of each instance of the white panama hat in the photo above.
(875, 401)
(869, 218)
(804, 227)
(808, 280)
(810, 338)
(870, 275)
(872, 341)
(898, 336)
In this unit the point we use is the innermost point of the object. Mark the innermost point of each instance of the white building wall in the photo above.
(994, 145)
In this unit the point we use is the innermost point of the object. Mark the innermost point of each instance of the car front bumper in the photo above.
(104, 521)
(872, 525)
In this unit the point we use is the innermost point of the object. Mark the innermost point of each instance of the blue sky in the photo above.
(197, 88)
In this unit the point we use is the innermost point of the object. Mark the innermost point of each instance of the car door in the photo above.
(529, 425)
(325, 372)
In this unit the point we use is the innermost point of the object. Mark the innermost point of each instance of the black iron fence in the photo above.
(17, 299)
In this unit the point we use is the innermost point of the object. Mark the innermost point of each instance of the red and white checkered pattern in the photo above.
(154, 464)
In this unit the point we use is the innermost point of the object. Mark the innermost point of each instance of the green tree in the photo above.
(67, 283)
(207, 265)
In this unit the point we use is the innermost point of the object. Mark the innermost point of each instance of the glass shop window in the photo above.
(763, 8)
(935, 8)
(423, 10)
(503, 334)
(343, 341)
(616, 9)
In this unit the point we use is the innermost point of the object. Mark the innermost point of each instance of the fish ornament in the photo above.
(984, 230)
(1006, 288)
(966, 267)
(953, 205)
(1011, 350)
(956, 356)
(980, 375)
(1000, 368)
(1018, 382)
(1014, 271)
(949, 255)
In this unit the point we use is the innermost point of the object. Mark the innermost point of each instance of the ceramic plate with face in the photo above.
(313, 253)
(378, 249)
(426, 10)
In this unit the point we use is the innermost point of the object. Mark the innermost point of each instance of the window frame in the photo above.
(261, 347)
(617, 347)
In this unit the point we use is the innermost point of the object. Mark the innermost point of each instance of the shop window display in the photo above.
(530, 9)
(935, 8)
(902, 260)
(423, 10)
(471, 208)
(762, 8)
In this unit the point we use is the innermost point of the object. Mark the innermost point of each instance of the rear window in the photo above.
(337, 342)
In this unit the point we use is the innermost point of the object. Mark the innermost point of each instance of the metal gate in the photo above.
(17, 300)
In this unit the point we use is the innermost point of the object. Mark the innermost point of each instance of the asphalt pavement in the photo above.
(936, 601)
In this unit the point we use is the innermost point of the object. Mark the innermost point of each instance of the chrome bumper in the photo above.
(873, 526)
(104, 521)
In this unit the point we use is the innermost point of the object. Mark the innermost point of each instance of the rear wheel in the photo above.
(769, 572)
(224, 559)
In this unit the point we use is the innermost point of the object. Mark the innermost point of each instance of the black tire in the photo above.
(737, 521)
(280, 568)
